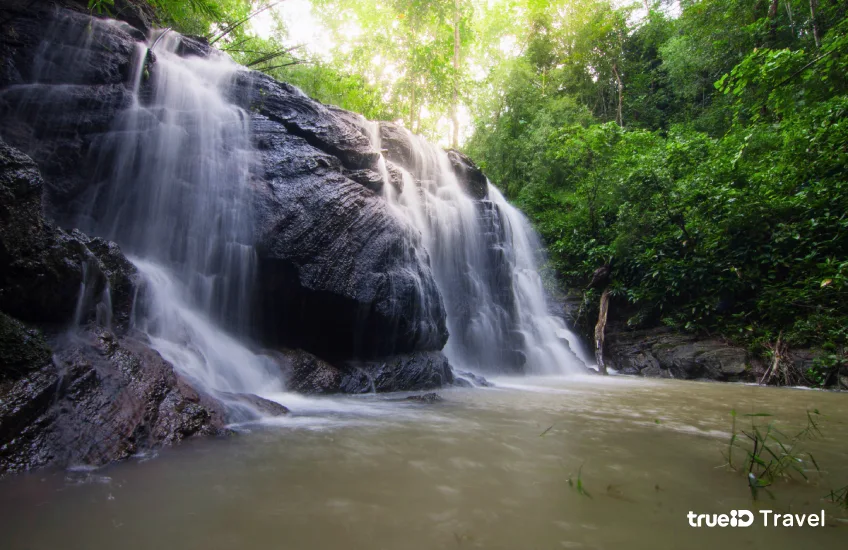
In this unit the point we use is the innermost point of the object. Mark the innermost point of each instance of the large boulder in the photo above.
(102, 398)
(340, 275)
(405, 372)
(668, 354)
(306, 373)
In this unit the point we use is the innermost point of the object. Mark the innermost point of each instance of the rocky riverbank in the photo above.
(662, 352)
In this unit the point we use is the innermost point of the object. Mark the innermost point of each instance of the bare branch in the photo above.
(298, 62)
(238, 24)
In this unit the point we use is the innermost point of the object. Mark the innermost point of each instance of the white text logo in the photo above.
(745, 518)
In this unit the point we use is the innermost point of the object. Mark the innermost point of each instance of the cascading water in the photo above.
(173, 175)
(185, 213)
(483, 255)
(175, 189)
(172, 186)
(545, 335)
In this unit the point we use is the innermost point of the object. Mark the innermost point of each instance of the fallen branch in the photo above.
(599, 331)
(158, 38)
(268, 56)
(778, 364)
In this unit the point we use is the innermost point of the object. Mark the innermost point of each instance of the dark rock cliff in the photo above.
(77, 386)
(339, 276)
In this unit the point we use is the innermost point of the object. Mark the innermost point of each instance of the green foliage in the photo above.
(101, 6)
(406, 50)
(826, 366)
(226, 23)
(721, 199)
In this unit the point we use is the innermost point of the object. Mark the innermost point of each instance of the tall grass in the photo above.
(769, 453)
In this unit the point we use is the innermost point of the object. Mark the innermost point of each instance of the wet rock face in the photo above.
(339, 275)
(102, 398)
(90, 395)
(406, 372)
(338, 272)
(319, 125)
(472, 178)
(43, 267)
(306, 373)
(396, 145)
(62, 127)
(667, 354)
(36, 282)
(399, 150)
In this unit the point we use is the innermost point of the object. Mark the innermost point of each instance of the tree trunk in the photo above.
(455, 101)
(647, 7)
(412, 109)
(619, 115)
(813, 5)
(599, 331)
(772, 15)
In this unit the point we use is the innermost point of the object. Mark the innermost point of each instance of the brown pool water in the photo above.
(472, 471)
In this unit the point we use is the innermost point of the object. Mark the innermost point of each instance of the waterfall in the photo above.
(548, 340)
(484, 257)
(171, 183)
(176, 170)
(172, 188)
(176, 196)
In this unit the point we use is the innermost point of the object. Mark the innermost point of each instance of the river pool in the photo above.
(484, 468)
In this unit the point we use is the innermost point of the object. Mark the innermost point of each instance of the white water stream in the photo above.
(176, 197)
(485, 258)
(172, 189)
